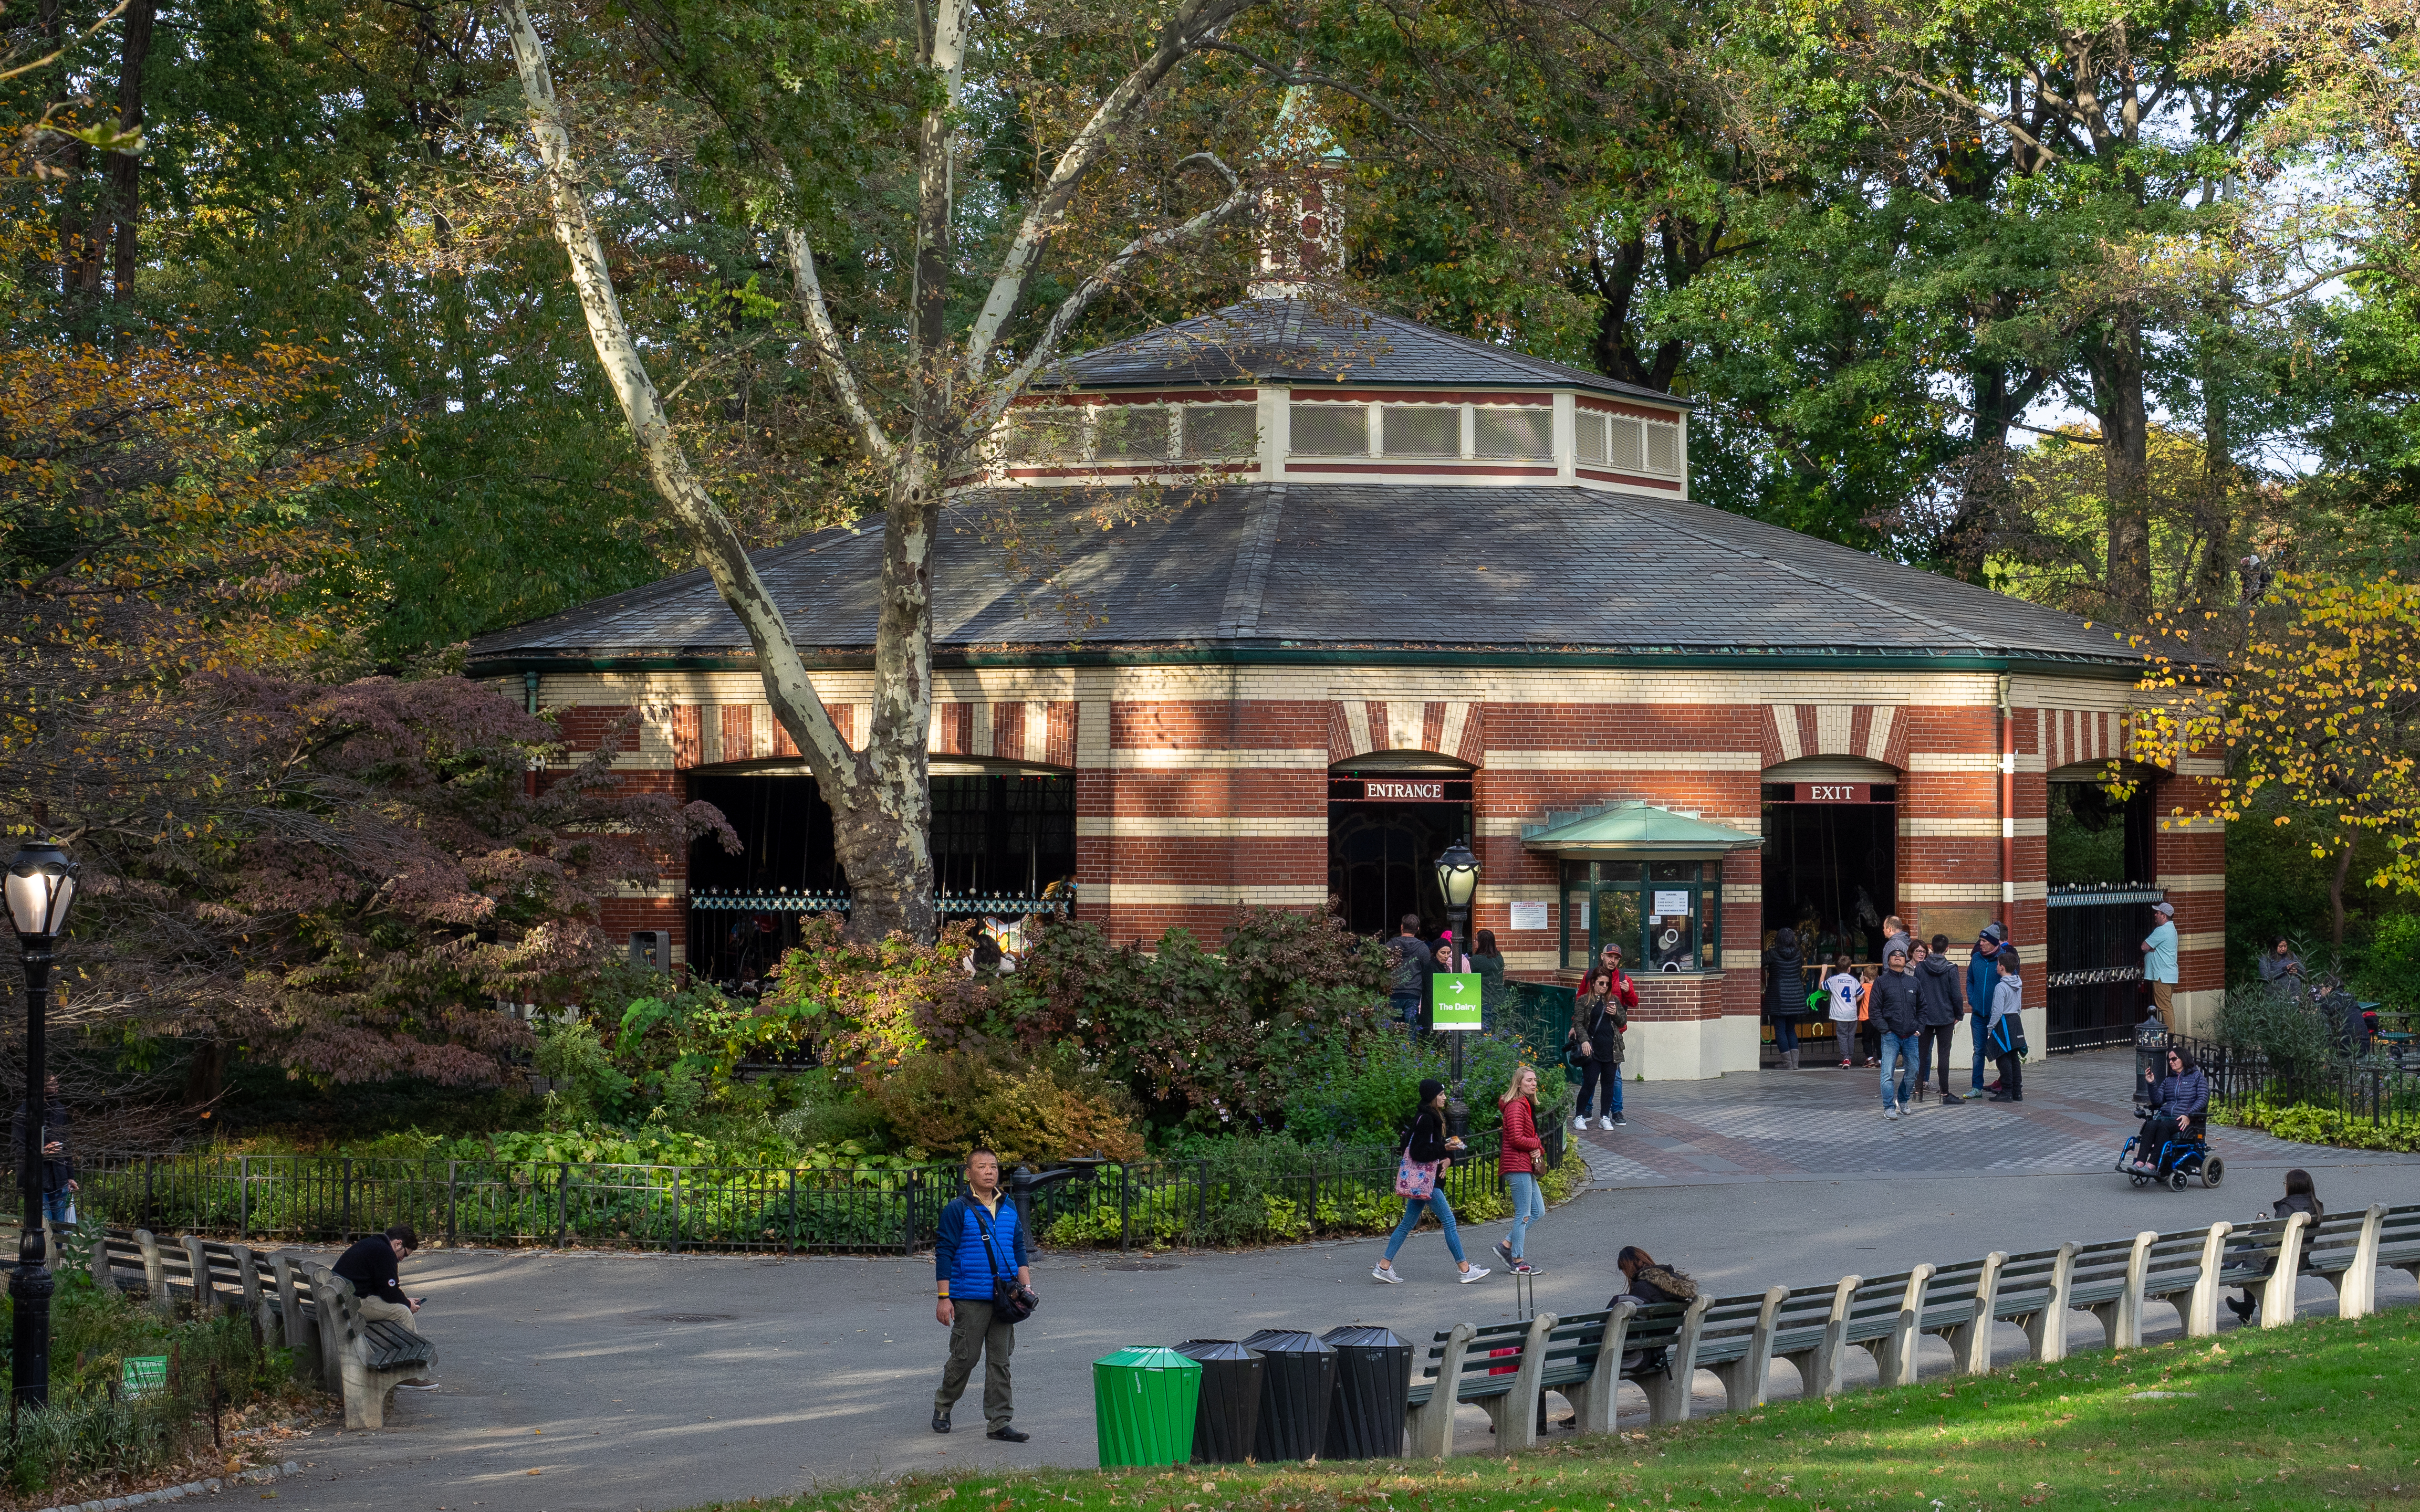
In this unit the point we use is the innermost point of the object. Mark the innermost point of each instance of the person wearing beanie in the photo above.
(1982, 980)
(1427, 1151)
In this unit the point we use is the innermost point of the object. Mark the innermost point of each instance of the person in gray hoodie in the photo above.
(1937, 983)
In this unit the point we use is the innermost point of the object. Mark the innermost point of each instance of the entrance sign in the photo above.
(1528, 916)
(1457, 1000)
(1398, 792)
(1834, 792)
(1668, 903)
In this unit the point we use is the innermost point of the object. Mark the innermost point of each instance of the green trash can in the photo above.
(1143, 1402)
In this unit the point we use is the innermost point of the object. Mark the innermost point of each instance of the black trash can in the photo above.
(1373, 1388)
(1298, 1383)
(1225, 1423)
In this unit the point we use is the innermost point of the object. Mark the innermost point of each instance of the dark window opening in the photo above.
(1831, 874)
(1382, 861)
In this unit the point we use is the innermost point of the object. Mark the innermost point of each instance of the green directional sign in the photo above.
(1457, 1000)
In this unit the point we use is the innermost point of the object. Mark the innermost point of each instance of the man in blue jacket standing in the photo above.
(1982, 980)
(980, 1246)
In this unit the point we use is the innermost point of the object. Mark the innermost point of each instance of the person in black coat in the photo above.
(371, 1265)
(1898, 1004)
(1939, 981)
(1785, 1001)
(1427, 1143)
(2300, 1197)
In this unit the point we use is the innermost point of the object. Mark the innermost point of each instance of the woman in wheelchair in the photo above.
(2180, 1103)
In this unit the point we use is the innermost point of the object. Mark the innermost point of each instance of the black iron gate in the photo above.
(2095, 962)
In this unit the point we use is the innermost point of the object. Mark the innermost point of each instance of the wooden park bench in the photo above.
(371, 1359)
(2343, 1249)
(1818, 1325)
(285, 1294)
(2399, 1243)
(2032, 1294)
(1495, 1367)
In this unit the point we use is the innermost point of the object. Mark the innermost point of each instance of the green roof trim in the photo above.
(1636, 828)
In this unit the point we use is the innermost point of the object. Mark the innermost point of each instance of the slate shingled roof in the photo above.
(1351, 566)
(1304, 341)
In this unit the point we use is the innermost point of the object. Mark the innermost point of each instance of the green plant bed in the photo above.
(94, 1440)
(2297, 1419)
(2306, 1125)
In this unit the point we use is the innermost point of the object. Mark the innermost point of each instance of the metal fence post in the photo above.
(794, 1209)
(908, 1221)
(450, 1167)
(1201, 1199)
(1313, 1205)
(243, 1196)
(1124, 1208)
(347, 1231)
(562, 1203)
(676, 1206)
(148, 1162)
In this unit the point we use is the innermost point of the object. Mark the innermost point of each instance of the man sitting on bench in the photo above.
(2179, 1102)
(371, 1267)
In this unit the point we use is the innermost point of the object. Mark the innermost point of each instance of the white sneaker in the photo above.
(1580, 1122)
(1891, 1112)
(1604, 1121)
(1473, 1274)
(1385, 1273)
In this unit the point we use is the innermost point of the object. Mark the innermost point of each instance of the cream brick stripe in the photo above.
(1194, 826)
(2192, 881)
(1968, 828)
(1967, 892)
(1967, 761)
(1153, 758)
(1204, 895)
(1500, 760)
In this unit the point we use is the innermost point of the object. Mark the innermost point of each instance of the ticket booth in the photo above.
(1647, 877)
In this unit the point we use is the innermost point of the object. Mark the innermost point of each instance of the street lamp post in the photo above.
(1457, 876)
(40, 885)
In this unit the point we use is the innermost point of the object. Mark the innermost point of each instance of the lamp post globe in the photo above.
(38, 889)
(1457, 876)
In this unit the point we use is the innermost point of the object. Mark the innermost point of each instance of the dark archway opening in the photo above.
(1834, 865)
(1385, 829)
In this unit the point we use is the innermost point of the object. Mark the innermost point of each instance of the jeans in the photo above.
(1407, 1008)
(59, 1207)
(1785, 1035)
(1529, 1206)
(1603, 1083)
(1444, 1211)
(1898, 1054)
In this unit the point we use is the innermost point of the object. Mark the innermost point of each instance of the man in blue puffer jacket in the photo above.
(1982, 980)
(980, 1242)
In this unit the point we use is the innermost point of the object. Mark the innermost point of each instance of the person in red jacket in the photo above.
(1520, 1161)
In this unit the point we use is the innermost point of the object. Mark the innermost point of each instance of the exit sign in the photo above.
(1835, 792)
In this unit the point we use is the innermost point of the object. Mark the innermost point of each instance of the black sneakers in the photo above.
(940, 1422)
(1008, 1435)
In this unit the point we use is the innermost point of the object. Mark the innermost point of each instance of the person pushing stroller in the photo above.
(2177, 1102)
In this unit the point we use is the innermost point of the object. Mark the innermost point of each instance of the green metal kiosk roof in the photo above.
(1634, 827)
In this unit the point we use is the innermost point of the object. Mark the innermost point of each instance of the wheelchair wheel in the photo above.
(2177, 1181)
(2213, 1170)
(2138, 1179)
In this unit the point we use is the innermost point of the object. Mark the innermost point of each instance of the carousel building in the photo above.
(1381, 588)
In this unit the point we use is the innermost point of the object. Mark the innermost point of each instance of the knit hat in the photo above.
(1993, 932)
(1428, 1090)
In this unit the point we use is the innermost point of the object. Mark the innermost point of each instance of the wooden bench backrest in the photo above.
(2028, 1275)
(1877, 1302)
(2105, 1261)
(1478, 1359)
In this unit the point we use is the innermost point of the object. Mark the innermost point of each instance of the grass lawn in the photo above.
(2321, 1414)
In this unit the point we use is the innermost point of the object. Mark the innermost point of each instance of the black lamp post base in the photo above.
(29, 1295)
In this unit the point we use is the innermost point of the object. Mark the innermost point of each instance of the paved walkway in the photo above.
(1826, 1124)
(619, 1382)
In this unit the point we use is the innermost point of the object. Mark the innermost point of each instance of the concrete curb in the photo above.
(191, 1488)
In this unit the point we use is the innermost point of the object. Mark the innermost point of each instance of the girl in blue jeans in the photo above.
(1427, 1143)
(1518, 1159)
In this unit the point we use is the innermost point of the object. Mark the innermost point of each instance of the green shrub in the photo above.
(2391, 970)
(2281, 1024)
(87, 1431)
(2304, 1124)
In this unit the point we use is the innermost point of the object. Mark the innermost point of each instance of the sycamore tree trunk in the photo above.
(2116, 363)
(879, 793)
